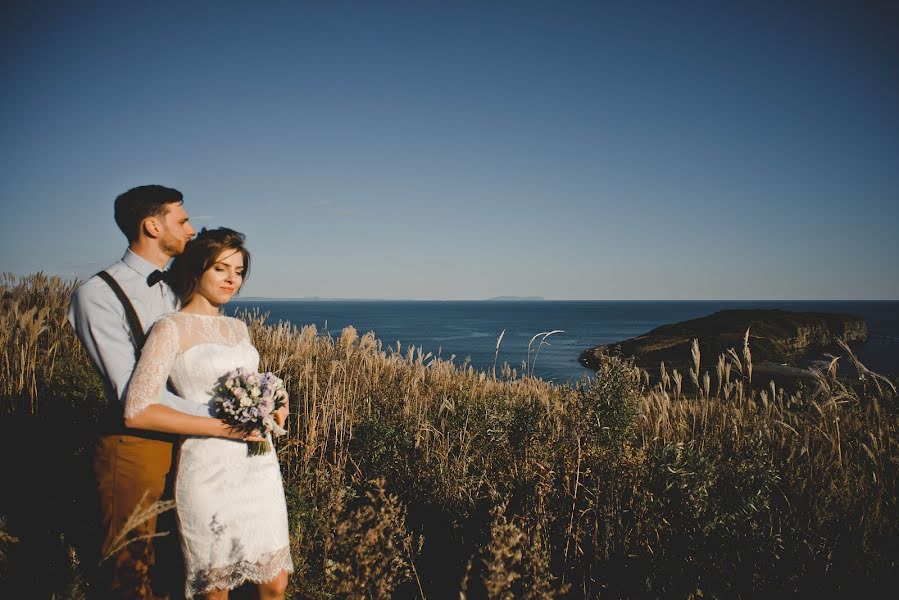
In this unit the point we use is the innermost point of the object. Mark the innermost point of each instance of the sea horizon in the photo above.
(471, 328)
(541, 299)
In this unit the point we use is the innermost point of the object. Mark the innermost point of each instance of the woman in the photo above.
(232, 515)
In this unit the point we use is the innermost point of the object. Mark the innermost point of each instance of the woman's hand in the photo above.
(158, 417)
(281, 414)
(236, 434)
(256, 436)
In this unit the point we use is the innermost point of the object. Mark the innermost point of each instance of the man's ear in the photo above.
(151, 227)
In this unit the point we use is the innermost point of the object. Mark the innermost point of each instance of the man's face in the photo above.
(176, 229)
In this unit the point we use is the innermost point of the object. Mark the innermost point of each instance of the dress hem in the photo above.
(231, 576)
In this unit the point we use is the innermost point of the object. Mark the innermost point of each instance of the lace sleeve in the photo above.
(153, 368)
(243, 332)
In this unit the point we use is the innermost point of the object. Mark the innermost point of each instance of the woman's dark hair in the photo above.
(137, 204)
(200, 254)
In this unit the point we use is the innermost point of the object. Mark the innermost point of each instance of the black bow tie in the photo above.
(157, 276)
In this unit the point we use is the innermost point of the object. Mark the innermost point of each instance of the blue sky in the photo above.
(463, 150)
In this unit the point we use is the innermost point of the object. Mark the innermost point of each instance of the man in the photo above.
(131, 466)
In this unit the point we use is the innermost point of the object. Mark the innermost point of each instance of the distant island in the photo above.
(513, 298)
(321, 299)
(777, 338)
(317, 299)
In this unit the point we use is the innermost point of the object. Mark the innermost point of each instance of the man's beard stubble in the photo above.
(171, 246)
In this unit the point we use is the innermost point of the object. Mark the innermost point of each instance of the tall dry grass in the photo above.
(33, 335)
(413, 475)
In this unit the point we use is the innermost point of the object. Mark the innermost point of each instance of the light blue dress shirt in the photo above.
(100, 323)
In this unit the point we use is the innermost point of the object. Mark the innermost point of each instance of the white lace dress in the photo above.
(232, 516)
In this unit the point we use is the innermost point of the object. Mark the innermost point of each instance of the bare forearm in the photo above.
(158, 417)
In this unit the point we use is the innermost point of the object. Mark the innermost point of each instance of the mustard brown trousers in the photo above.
(133, 472)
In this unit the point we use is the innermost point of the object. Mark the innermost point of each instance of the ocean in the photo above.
(470, 329)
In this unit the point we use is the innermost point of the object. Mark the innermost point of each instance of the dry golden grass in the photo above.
(33, 334)
(617, 485)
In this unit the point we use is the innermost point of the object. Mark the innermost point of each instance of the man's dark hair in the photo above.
(200, 254)
(140, 203)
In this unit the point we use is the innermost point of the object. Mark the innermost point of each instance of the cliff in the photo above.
(775, 336)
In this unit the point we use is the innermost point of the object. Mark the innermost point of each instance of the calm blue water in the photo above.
(470, 329)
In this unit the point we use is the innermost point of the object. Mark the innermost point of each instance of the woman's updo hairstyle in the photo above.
(200, 254)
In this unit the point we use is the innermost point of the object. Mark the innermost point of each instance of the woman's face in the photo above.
(223, 279)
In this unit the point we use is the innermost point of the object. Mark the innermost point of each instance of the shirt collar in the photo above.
(139, 264)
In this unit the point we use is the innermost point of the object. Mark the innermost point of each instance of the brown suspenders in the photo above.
(114, 423)
(137, 331)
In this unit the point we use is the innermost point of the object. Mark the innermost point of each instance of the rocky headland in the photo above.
(776, 337)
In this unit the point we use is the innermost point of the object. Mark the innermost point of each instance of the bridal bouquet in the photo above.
(246, 400)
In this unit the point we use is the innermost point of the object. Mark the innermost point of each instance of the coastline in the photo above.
(470, 329)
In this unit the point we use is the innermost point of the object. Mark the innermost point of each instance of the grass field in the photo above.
(411, 476)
